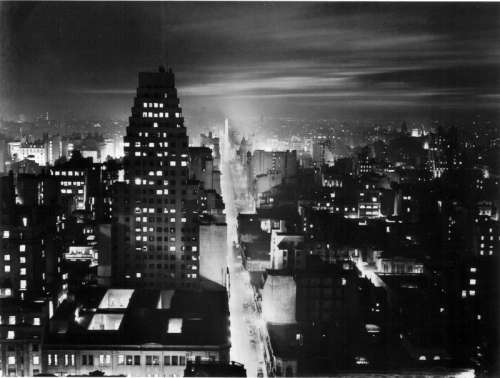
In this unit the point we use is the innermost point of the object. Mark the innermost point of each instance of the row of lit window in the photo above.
(138, 181)
(151, 210)
(146, 135)
(158, 115)
(375, 206)
(70, 191)
(72, 183)
(145, 219)
(22, 259)
(471, 293)
(152, 105)
(68, 173)
(12, 320)
(171, 275)
(150, 144)
(105, 359)
(482, 237)
(69, 360)
(11, 360)
(22, 271)
(158, 154)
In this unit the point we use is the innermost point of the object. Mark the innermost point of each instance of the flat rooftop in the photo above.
(118, 317)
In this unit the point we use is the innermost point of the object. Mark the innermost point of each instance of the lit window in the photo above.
(6, 234)
(174, 326)
(172, 163)
(159, 173)
(22, 248)
(22, 271)
(11, 360)
(12, 320)
(183, 163)
(183, 220)
(11, 335)
(472, 293)
(36, 360)
(472, 281)
(155, 124)
(6, 257)
(145, 105)
(6, 268)
(36, 321)
(22, 285)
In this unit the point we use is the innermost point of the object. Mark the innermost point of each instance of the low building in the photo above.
(137, 332)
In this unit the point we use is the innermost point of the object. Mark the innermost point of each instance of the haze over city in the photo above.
(323, 60)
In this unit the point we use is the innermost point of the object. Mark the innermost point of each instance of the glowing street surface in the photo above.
(246, 347)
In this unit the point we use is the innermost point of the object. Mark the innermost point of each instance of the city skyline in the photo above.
(345, 61)
(249, 189)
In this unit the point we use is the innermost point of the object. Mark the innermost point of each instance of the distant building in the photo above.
(264, 162)
(29, 248)
(369, 204)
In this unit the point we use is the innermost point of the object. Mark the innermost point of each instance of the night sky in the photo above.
(305, 60)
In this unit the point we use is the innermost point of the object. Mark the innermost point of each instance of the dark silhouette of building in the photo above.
(214, 369)
(155, 237)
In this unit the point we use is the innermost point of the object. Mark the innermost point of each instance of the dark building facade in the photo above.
(155, 237)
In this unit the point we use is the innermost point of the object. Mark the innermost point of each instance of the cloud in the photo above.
(368, 53)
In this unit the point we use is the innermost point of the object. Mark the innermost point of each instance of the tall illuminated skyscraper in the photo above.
(155, 230)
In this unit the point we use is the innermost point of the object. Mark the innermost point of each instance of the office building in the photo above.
(155, 238)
